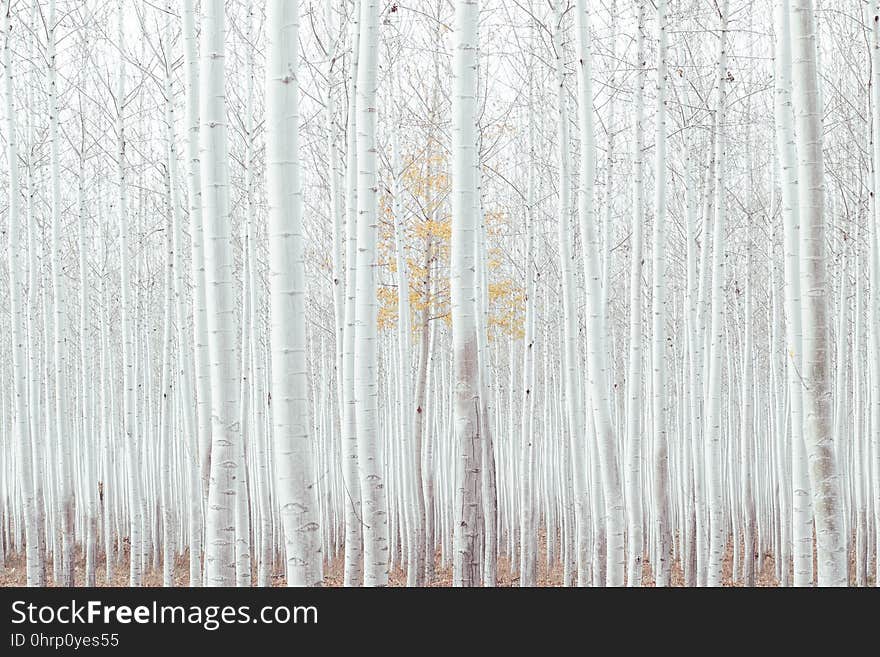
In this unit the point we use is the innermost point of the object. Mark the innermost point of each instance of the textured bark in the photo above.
(717, 528)
(199, 298)
(370, 462)
(875, 282)
(577, 430)
(832, 559)
(466, 401)
(129, 401)
(290, 413)
(802, 520)
(661, 511)
(353, 569)
(220, 303)
(20, 425)
(633, 471)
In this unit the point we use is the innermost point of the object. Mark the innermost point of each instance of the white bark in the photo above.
(832, 559)
(717, 528)
(220, 304)
(293, 459)
(21, 429)
(468, 449)
(128, 366)
(802, 521)
(597, 374)
(528, 551)
(633, 472)
(184, 352)
(875, 284)
(63, 437)
(662, 533)
(167, 409)
(370, 464)
(353, 567)
(199, 299)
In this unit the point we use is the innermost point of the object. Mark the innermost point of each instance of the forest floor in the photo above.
(12, 572)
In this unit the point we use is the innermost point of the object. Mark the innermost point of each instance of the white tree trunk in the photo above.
(353, 567)
(633, 472)
(199, 299)
(597, 374)
(468, 448)
(370, 462)
(290, 413)
(832, 559)
(220, 300)
(802, 520)
(713, 430)
(166, 408)
(528, 549)
(20, 427)
(662, 533)
(875, 284)
(577, 430)
(184, 350)
(63, 438)
(129, 401)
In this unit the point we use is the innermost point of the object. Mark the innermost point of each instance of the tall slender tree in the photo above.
(293, 459)
(468, 448)
(370, 464)
(832, 560)
(220, 304)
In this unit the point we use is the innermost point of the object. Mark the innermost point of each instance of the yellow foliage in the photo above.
(507, 308)
(425, 178)
(417, 302)
(441, 229)
(387, 316)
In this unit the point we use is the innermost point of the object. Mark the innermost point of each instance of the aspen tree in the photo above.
(802, 522)
(127, 329)
(410, 439)
(353, 567)
(184, 363)
(370, 463)
(662, 534)
(199, 299)
(713, 419)
(633, 471)
(832, 559)
(874, 251)
(63, 438)
(254, 357)
(597, 375)
(33, 371)
(220, 298)
(35, 566)
(468, 448)
(293, 457)
(527, 521)
(166, 410)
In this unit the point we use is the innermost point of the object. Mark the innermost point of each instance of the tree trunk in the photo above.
(20, 428)
(468, 449)
(832, 560)
(225, 467)
(370, 461)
